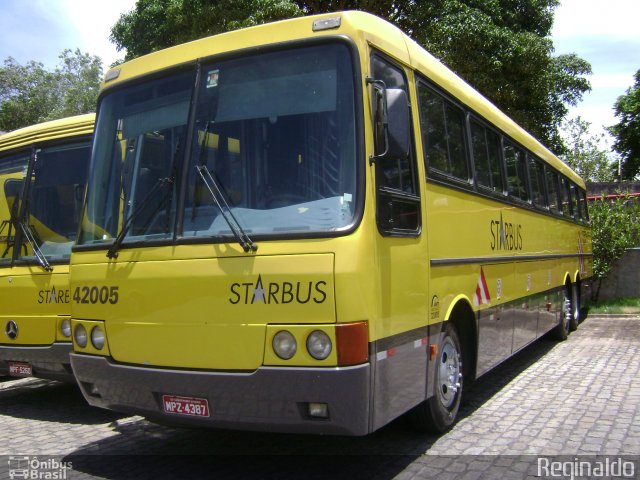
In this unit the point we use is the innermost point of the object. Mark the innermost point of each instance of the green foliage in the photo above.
(513, 65)
(156, 24)
(627, 130)
(584, 154)
(614, 229)
(26, 94)
(501, 47)
(78, 82)
(30, 94)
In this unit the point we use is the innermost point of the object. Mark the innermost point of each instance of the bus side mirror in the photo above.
(399, 127)
(392, 123)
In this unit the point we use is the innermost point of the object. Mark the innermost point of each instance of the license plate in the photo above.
(18, 369)
(195, 407)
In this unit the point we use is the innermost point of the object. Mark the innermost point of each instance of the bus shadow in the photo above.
(480, 391)
(145, 449)
(50, 401)
(152, 451)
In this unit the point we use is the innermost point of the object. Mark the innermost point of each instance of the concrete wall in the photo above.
(624, 280)
(596, 188)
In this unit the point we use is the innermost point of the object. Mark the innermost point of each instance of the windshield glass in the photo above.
(275, 131)
(54, 199)
(139, 133)
(54, 195)
(13, 169)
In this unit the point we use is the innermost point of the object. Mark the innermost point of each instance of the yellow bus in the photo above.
(313, 226)
(43, 170)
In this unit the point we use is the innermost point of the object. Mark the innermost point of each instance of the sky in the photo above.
(606, 34)
(603, 32)
(41, 29)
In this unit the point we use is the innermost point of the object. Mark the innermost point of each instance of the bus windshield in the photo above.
(48, 216)
(53, 202)
(275, 131)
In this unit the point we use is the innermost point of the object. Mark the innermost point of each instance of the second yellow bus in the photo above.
(43, 171)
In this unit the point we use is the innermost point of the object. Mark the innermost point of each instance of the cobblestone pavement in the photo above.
(579, 399)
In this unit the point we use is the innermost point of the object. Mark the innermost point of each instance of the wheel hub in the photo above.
(449, 374)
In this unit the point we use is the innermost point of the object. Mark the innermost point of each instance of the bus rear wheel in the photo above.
(575, 304)
(561, 332)
(438, 413)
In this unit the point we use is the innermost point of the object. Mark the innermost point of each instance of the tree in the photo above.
(614, 228)
(31, 94)
(26, 94)
(156, 24)
(78, 79)
(501, 47)
(627, 130)
(584, 154)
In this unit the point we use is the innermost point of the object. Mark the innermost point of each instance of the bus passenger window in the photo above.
(552, 190)
(486, 156)
(577, 213)
(583, 202)
(516, 172)
(565, 195)
(443, 134)
(536, 175)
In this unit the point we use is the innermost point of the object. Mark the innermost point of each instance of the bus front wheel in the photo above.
(439, 412)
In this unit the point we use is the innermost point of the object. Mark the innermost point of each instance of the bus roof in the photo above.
(52, 130)
(364, 29)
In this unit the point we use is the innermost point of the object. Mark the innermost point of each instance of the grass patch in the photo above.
(621, 305)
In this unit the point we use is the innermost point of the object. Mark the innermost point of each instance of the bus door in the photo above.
(400, 367)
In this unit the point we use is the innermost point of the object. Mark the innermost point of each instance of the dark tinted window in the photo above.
(443, 134)
(583, 202)
(486, 156)
(575, 205)
(552, 190)
(516, 171)
(565, 196)
(536, 175)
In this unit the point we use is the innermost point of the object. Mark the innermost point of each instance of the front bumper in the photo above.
(48, 361)
(267, 399)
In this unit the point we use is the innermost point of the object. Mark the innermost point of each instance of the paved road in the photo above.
(579, 399)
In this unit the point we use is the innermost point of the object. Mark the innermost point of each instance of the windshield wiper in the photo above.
(12, 224)
(21, 220)
(28, 234)
(218, 197)
(117, 242)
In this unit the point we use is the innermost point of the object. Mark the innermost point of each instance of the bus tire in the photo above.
(561, 332)
(575, 304)
(438, 413)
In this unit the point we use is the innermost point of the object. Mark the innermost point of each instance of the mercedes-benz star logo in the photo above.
(11, 330)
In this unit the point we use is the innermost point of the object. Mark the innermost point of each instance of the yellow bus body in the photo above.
(198, 320)
(35, 302)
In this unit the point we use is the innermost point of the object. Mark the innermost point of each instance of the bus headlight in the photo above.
(284, 344)
(80, 336)
(319, 345)
(97, 338)
(65, 327)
